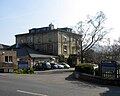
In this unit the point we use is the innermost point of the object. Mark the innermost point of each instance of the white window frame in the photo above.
(9, 59)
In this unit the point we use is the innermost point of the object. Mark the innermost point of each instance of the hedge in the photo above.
(85, 68)
(24, 71)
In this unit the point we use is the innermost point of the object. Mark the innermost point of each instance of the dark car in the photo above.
(38, 66)
(54, 65)
(46, 65)
(42, 66)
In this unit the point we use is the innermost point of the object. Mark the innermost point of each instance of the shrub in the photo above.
(69, 61)
(85, 68)
(61, 58)
(16, 71)
(30, 71)
(97, 72)
(24, 71)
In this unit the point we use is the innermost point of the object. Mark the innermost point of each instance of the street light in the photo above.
(3, 53)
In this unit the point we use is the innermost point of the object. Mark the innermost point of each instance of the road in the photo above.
(51, 84)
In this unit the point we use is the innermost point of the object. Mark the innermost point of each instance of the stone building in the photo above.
(8, 60)
(27, 57)
(51, 41)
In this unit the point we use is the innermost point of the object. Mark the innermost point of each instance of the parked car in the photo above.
(60, 66)
(46, 65)
(54, 65)
(42, 66)
(65, 65)
(95, 66)
(37, 66)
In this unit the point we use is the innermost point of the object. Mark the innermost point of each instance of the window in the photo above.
(28, 39)
(65, 49)
(73, 39)
(31, 39)
(50, 48)
(50, 38)
(65, 38)
(22, 41)
(8, 59)
(39, 40)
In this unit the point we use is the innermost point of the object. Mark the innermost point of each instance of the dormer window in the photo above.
(51, 26)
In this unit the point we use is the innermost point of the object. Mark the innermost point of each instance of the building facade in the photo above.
(8, 60)
(60, 41)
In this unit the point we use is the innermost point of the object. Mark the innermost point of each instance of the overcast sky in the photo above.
(18, 16)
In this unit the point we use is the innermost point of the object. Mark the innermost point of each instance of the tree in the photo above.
(115, 50)
(92, 31)
(61, 58)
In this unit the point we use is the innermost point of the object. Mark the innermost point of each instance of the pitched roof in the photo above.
(26, 51)
(35, 54)
(3, 47)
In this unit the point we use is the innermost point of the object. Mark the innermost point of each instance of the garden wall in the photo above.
(96, 79)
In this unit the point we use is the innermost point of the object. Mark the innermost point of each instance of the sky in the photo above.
(18, 16)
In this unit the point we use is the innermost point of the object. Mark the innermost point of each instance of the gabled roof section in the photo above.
(4, 47)
(35, 54)
(25, 51)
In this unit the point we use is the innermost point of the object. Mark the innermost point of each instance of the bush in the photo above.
(30, 71)
(16, 71)
(85, 68)
(61, 58)
(24, 71)
(97, 72)
(69, 61)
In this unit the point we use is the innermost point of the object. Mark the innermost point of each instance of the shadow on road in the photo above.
(81, 83)
(112, 91)
(71, 77)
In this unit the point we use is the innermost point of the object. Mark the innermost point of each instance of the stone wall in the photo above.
(96, 79)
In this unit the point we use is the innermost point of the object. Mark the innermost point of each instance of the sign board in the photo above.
(22, 65)
(108, 69)
(108, 66)
(106, 63)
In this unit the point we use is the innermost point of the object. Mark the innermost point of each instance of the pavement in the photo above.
(55, 71)
(58, 82)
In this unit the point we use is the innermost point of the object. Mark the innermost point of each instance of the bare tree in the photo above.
(115, 50)
(92, 30)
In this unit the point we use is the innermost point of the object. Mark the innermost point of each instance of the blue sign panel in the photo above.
(108, 69)
(22, 65)
(108, 66)
(107, 63)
